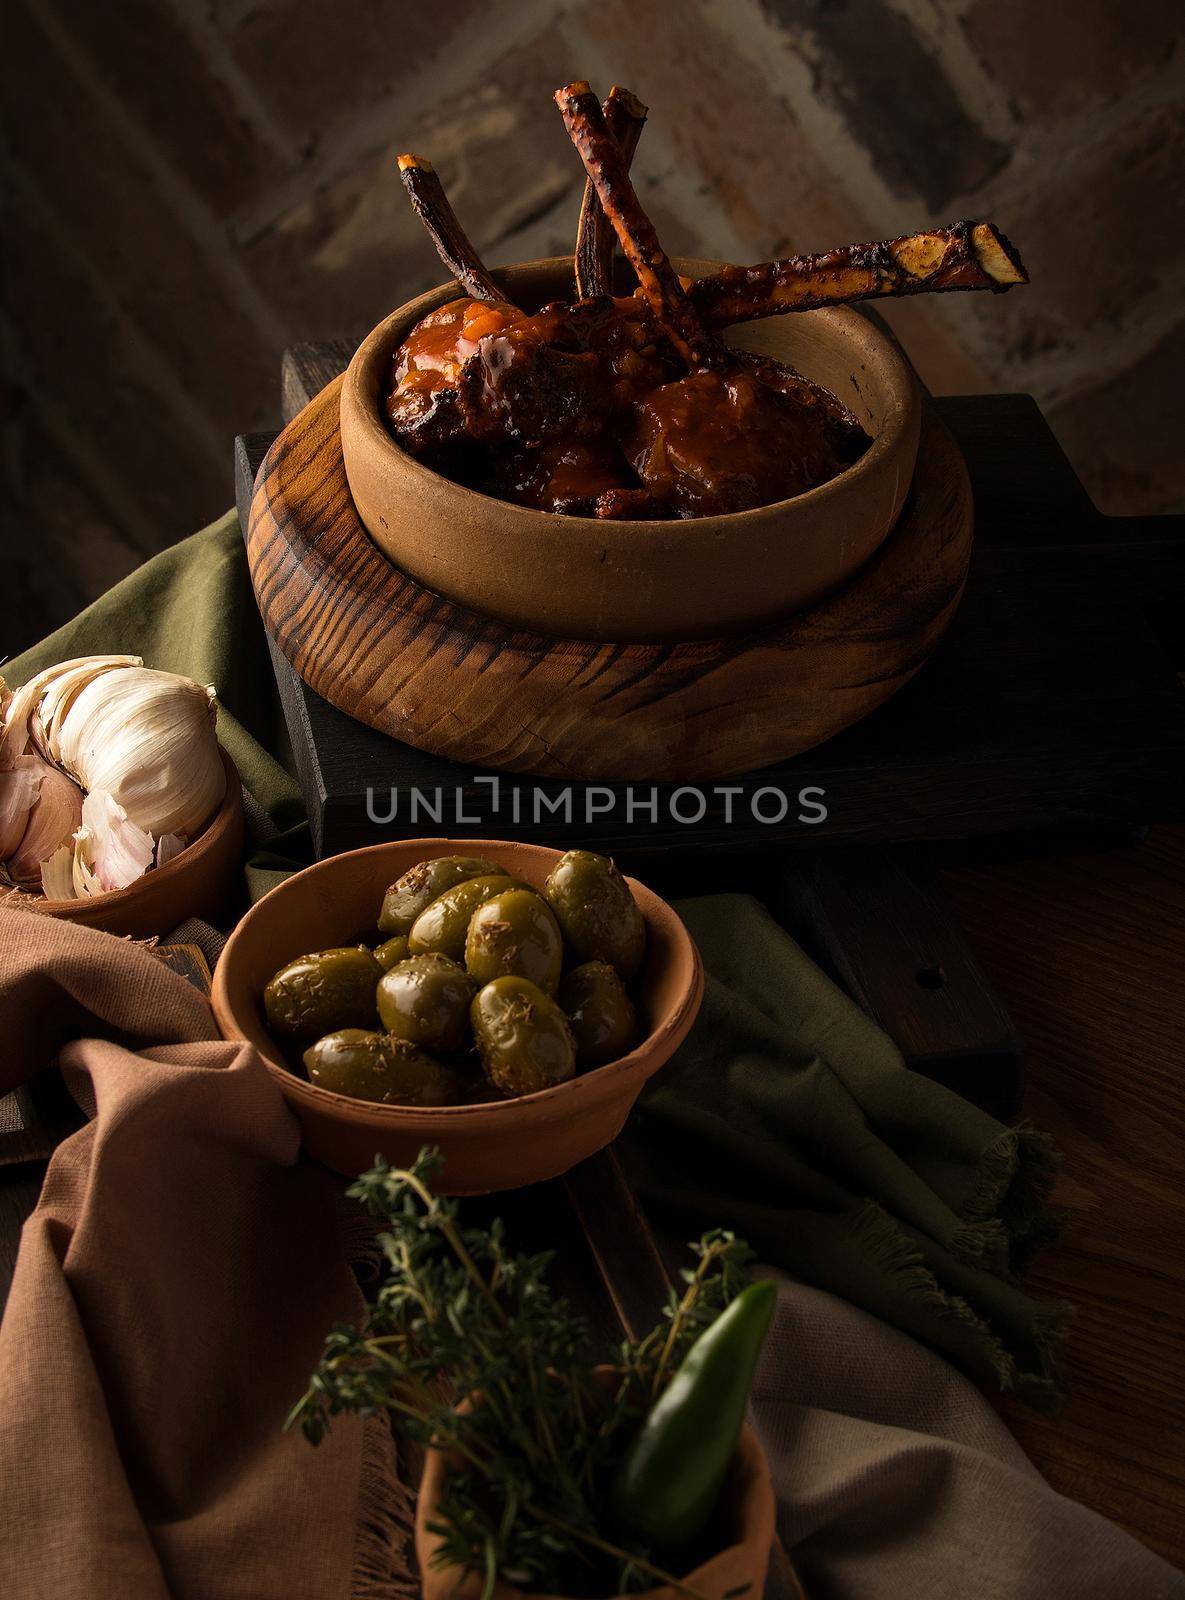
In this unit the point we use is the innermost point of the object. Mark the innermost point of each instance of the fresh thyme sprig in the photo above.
(459, 1315)
(717, 1278)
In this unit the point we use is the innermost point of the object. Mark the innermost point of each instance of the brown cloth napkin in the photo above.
(171, 1295)
(178, 1276)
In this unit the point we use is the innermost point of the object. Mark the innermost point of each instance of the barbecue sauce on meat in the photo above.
(586, 409)
(566, 475)
(715, 442)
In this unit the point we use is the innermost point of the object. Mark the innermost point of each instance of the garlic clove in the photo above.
(19, 784)
(118, 851)
(37, 738)
(168, 846)
(51, 824)
(83, 878)
(57, 874)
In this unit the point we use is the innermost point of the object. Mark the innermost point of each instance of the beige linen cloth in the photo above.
(171, 1295)
(173, 1288)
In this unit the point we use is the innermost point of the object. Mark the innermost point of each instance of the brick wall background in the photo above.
(193, 184)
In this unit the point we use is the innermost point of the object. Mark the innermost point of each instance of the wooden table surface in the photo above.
(1089, 954)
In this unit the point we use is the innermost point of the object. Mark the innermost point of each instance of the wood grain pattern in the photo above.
(887, 934)
(1088, 952)
(627, 1257)
(451, 682)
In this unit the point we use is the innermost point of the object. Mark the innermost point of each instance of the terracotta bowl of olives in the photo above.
(504, 1002)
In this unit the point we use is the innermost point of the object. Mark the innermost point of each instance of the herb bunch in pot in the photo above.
(545, 1471)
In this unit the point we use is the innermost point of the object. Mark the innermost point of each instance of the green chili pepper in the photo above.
(669, 1481)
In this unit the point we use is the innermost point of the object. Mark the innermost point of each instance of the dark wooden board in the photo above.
(852, 919)
(880, 924)
(1052, 704)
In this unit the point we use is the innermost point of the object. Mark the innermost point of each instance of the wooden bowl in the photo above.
(197, 883)
(738, 1569)
(488, 1146)
(585, 579)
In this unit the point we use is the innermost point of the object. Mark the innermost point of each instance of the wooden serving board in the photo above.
(458, 684)
(1052, 709)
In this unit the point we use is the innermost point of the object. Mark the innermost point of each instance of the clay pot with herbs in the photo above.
(546, 1472)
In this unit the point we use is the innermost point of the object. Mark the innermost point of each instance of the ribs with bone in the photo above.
(632, 406)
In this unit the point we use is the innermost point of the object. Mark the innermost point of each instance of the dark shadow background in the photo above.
(190, 185)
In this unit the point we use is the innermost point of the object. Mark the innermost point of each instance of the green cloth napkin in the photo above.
(787, 1115)
(791, 1118)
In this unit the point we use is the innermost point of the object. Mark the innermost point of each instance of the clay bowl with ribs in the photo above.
(639, 579)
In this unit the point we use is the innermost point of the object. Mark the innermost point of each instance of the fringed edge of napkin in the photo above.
(384, 1540)
(14, 899)
(882, 1237)
(383, 1545)
(1008, 1218)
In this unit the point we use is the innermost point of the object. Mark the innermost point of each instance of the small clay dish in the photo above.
(490, 1145)
(746, 1516)
(197, 883)
(581, 578)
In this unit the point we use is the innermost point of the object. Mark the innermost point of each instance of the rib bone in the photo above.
(625, 116)
(969, 255)
(657, 278)
(453, 245)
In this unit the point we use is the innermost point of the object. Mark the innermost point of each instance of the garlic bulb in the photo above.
(139, 742)
(25, 701)
(147, 739)
(64, 688)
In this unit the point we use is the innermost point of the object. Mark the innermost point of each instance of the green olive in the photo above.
(426, 999)
(522, 1035)
(320, 992)
(422, 884)
(373, 1066)
(599, 1012)
(597, 913)
(515, 934)
(443, 925)
(391, 951)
